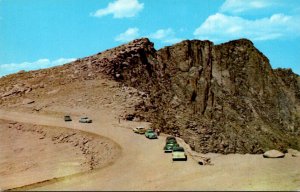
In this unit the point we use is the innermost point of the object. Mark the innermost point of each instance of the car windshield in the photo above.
(171, 144)
(179, 149)
(171, 138)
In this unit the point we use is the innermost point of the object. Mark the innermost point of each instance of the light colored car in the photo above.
(178, 154)
(140, 130)
(85, 120)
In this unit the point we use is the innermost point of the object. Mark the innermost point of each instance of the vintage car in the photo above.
(168, 148)
(139, 130)
(150, 134)
(170, 138)
(178, 154)
(85, 120)
(67, 118)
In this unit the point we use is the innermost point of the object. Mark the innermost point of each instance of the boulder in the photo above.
(21, 71)
(273, 154)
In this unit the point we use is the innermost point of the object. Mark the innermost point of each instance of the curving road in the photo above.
(144, 166)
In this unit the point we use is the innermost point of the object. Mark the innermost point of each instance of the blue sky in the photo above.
(43, 33)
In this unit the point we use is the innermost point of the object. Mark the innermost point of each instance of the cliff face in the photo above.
(227, 98)
(223, 98)
(219, 98)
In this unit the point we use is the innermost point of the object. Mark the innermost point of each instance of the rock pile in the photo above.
(17, 89)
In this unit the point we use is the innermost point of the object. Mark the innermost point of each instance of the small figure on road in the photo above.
(157, 131)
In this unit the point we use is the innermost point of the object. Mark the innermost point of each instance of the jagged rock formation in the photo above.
(223, 98)
(226, 98)
(219, 98)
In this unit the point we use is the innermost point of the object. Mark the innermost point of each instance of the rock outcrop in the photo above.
(224, 98)
(219, 98)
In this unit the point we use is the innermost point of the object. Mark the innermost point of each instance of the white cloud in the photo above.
(165, 35)
(220, 27)
(39, 64)
(128, 35)
(162, 33)
(120, 9)
(239, 6)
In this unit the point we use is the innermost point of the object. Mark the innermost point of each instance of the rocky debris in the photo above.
(290, 79)
(12, 123)
(21, 71)
(85, 142)
(27, 101)
(39, 85)
(273, 154)
(53, 92)
(294, 153)
(204, 161)
(18, 89)
(43, 136)
(38, 108)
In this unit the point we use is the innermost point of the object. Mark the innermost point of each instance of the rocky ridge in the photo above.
(219, 98)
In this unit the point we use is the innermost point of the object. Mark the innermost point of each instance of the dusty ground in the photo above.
(32, 153)
(140, 163)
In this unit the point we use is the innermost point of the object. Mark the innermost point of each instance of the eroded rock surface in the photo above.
(219, 98)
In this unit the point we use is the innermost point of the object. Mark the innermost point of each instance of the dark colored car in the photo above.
(67, 118)
(150, 134)
(169, 147)
(170, 138)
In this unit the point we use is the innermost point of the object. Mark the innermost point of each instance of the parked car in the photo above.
(168, 148)
(178, 154)
(170, 138)
(150, 134)
(139, 130)
(67, 118)
(85, 120)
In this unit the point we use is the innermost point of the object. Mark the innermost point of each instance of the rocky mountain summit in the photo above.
(219, 98)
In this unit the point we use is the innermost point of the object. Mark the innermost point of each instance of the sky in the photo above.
(38, 34)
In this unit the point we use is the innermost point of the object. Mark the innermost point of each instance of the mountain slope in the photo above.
(219, 98)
